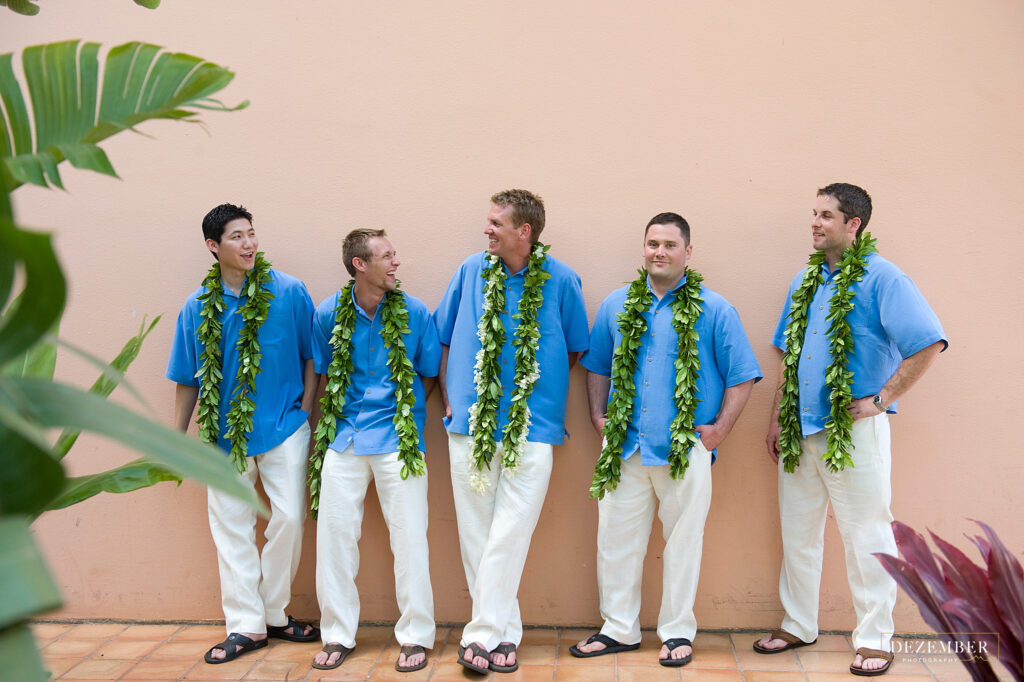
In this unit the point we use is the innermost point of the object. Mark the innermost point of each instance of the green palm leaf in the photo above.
(71, 114)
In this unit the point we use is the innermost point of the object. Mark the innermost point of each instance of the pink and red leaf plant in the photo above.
(972, 608)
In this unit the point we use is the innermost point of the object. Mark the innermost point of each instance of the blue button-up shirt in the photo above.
(726, 359)
(285, 344)
(890, 321)
(563, 328)
(367, 420)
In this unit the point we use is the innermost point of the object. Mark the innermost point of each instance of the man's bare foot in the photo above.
(476, 655)
(675, 654)
(412, 660)
(219, 654)
(767, 642)
(323, 658)
(504, 655)
(589, 648)
(871, 662)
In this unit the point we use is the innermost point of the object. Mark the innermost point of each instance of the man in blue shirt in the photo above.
(497, 507)
(727, 373)
(896, 337)
(255, 589)
(366, 447)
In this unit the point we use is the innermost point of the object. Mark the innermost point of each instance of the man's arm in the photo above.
(428, 385)
(910, 370)
(733, 402)
(598, 387)
(442, 382)
(309, 386)
(185, 398)
(772, 440)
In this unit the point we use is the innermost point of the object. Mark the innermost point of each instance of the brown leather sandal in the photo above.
(792, 642)
(866, 653)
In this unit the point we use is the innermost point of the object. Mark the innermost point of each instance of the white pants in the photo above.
(860, 497)
(625, 516)
(344, 480)
(255, 589)
(494, 533)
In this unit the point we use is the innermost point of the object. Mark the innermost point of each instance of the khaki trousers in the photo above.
(625, 516)
(256, 588)
(495, 529)
(860, 498)
(344, 480)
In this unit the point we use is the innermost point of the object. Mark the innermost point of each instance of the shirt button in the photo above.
(821, 307)
(643, 409)
(813, 332)
(641, 435)
(808, 357)
(504, 362)
(357, 429)
(371, 347)
(371, 371)
(805, 409)
(650, 360)
(805, 383)
(646, 384)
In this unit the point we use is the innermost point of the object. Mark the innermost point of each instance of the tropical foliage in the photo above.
(975, 609)
(70, 115)
(30, 8)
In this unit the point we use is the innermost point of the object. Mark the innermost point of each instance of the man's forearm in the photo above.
(733, 402)
(185, 398)
(909, 372)
(598, 387)
(442, 372)
(309, 385)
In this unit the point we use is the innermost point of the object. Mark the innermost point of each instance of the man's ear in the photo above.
(853, 224)
(527, 233)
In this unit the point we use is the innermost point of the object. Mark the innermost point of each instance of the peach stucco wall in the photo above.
(409, 115)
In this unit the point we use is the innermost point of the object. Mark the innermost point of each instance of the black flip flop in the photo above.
(292, 632)
(672, 645)
(331, 649)
(409, 650)
(477, 650)
(234, 646)
(610, 647)
(505, 649)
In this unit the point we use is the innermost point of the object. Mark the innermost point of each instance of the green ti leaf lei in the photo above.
(687, 307)
(838, 378)
(483, 415)
(394, 323)
(254, 313)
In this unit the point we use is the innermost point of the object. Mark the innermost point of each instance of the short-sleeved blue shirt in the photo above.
(563, 329)
(726, 359)
(890, 321)
(285, 344)
(367, 420)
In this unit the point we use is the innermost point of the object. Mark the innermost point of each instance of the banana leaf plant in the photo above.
(975, 609)
(69, 116)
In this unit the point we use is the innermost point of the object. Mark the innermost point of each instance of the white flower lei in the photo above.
(483, 414)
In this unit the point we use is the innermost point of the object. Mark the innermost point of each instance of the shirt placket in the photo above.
(817, 328)
(648, 373)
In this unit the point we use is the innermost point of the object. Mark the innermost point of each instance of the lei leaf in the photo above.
(254, 313)
(838, 378)
(394, 323)
(687, 307)
(483, 415)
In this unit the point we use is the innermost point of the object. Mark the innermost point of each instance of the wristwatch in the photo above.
(877, 400)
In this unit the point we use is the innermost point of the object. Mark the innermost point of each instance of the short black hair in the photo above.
(669, 218)
(216, 219)
(854, 202)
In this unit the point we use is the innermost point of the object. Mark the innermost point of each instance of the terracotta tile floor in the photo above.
(122, 651)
